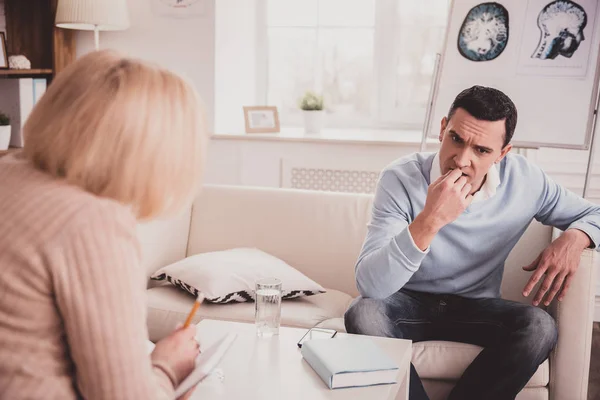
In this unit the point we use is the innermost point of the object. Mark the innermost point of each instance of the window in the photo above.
(372, 59)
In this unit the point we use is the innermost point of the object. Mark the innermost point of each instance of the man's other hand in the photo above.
(558, 262)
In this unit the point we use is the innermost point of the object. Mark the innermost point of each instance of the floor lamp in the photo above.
(93, 15)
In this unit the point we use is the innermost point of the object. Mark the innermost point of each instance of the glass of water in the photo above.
(268, 306)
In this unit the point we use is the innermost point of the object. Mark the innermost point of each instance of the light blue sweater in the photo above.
(467, 256)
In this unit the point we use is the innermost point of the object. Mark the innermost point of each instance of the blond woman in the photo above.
(113, 141)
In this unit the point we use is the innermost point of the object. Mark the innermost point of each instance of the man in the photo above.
(442, 227)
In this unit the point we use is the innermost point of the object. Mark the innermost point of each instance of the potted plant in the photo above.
(312, 108)
(4, 131)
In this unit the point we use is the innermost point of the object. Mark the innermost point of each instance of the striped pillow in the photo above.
(228, 276)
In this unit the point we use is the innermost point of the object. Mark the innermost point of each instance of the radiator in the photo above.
(332, 180)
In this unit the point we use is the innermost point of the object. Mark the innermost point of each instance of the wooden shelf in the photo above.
(23, 73)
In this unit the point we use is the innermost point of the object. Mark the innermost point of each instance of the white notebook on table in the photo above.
(205, 363)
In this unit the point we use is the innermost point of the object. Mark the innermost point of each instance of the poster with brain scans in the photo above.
(484, 32)
(557, 38)
(535, 51)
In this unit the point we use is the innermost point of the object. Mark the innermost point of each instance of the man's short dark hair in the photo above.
(487, 104)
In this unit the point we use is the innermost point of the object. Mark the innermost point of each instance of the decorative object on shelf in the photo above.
(3, 54)
(93, 15)
(180, 8)
(261, 119)
(4, 131)
(19, 62)
(312, 108)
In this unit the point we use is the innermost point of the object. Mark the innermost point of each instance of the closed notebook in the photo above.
(349, 362)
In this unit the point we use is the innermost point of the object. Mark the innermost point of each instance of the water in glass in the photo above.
(268, 308)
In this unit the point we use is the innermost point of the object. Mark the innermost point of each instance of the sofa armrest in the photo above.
(570, 360)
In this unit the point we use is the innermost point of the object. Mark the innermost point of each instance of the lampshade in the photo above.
(103, 15)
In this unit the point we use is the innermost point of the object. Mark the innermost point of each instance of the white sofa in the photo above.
(321, 234)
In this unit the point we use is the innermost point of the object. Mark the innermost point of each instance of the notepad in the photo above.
(205, 363)
(349, 362)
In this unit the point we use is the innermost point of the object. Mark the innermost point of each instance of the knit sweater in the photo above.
(467, 256)
(72, 294)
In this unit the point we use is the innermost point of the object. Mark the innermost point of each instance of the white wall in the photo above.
(270, 163)
(186, 46)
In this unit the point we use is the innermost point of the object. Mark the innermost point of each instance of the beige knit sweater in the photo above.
(72, 294)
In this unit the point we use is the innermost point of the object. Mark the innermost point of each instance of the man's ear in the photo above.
(443, 126)
(504, 152)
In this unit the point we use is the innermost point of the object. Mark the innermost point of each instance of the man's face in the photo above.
(471, 145)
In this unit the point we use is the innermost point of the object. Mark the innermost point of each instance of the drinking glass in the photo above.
(268, 306)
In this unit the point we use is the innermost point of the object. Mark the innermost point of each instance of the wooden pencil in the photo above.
(197, 303)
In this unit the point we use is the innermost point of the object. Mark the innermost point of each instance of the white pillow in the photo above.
(229, 276)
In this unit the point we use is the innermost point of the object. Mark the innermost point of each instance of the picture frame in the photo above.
(3, 53)
(261, 119)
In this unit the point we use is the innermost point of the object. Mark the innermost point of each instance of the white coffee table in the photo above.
(273, 368)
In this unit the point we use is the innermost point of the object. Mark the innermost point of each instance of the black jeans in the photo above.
(516, 337)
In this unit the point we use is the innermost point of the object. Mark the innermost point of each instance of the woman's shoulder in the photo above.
(35, 200)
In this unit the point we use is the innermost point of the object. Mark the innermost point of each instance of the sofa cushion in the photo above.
(448, 360)
(168, 305)
(439, 390)
(229, 276)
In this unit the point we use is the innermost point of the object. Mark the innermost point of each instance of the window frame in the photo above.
(384, 114)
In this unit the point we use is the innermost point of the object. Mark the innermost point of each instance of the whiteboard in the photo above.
(555, 95)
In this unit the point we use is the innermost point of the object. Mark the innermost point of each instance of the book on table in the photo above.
(349, 362)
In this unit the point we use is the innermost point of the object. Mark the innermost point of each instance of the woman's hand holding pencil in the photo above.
(176, 353)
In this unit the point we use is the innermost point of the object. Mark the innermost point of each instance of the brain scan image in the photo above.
(484, 32)
(561, 25)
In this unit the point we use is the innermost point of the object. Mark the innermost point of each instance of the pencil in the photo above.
(197, 303)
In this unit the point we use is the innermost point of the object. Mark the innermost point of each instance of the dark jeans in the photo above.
(516, 337)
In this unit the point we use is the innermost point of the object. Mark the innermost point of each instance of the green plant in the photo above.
(311, 102)
(4, 120)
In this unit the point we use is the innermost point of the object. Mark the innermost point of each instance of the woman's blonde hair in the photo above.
(123, 129)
